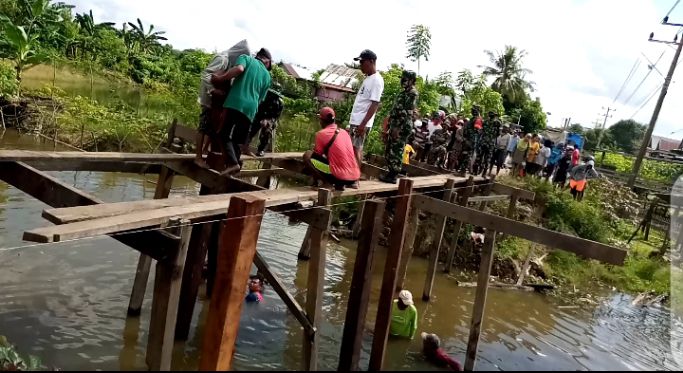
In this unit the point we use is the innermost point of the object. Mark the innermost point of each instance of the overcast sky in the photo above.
(580, 51)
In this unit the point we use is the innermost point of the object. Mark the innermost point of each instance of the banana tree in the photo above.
(145, 39)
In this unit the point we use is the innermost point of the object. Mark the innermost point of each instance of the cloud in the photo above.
(580, 51)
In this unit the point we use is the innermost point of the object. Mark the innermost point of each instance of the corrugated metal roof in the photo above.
(663, 143)
(340, 76)
(298, 71)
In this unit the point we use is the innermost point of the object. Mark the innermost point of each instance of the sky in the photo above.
(580, 51)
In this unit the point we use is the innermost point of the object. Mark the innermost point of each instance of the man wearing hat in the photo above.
(366, 103)
(400, 126)
(251, 83)
(332, 159)
(403, 316)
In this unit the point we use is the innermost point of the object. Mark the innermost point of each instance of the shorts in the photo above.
(357, 140)
(322, 165)
(205, 126)
(579, 185)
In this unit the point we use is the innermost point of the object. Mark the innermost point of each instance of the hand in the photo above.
(361, 130)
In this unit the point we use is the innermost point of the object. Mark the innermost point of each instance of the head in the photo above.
(559, 145)
(569, 149)
(425, 123)
(255, 284)
(405, 298)
(475, 111)
(528, 137)
(590, 164)
(368, 61)
(430, 343)
(535, 138)
(492, 114)
(416, 114)
(326, 116)
(408, 79)
(264, 56)
(547, 143)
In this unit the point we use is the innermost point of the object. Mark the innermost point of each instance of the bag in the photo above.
(220, 62)
(327, 147)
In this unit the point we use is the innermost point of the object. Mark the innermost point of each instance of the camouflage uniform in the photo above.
(401, 118)
(487, 144)
(470, 138)
(437, 155)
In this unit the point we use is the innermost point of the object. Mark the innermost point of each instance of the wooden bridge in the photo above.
(224, 220)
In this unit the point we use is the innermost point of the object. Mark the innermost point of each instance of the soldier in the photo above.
(471, 137)
(487, 144)
(400, 126)
(265, 121)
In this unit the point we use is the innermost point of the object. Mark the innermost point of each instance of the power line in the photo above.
(673, 7)
(650, 97)
(643, 81)
(628, 78)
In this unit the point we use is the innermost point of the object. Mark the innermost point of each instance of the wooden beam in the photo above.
(286, 297)
(324, 199)
(480, 298)
(85, 165)
(386, 298)
(522, 194)
(361, 286)
(463, 197)
(411, 169)
(163, 189)
(32, 155)
(409, 246)
(434, 254)
(579, 246)
(316, 286)
(167, 284)
(494, 198)
(239, 235)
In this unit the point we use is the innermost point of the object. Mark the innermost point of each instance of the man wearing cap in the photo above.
(251, 83)
(400, 126)
(332, 160)
(578, 178)
(366, 102)
(403, 316)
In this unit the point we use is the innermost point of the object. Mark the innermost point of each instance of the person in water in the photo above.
(431, 348)
(403, 316)
(255, 289)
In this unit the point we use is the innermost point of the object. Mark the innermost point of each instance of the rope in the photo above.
(13, 248)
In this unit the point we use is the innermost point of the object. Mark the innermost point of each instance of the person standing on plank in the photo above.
(400, 126)
(265, 122)
(366, 103)
(249, 89)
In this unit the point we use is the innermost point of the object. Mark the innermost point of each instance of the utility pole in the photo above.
(665, 87)
(604, 125)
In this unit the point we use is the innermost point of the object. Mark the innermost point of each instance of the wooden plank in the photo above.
(494, 198)
(163, 189)
(409, 246)
(324, 199)
(32, 155)
(361, 286)
(579, 246)
(480, 299)
(170, 135)
(411, 169)
(316, 286)
(522, 194)
(239, 235)
(84, 165)
(286, 297)
(512, 207)
(464, 195)
(396, 239)
(434, 254)
(167, 284)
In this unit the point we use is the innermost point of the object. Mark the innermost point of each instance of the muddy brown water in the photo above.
(66, 303)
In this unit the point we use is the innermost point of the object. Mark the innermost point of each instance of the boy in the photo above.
(255, 289)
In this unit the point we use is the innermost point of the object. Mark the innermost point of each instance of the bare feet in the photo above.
(231, 170)
(201, 163)
(246, 150)
(355, 185)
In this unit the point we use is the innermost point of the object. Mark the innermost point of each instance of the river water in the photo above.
(66, 303)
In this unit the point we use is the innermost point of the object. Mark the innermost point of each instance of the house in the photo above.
(664, 144)
(335, 82)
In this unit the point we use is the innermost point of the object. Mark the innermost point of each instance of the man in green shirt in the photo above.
(403, 316)
(249, 89)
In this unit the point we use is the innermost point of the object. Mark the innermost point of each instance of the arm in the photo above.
(371, 111)
(221, 78)
(413, 324)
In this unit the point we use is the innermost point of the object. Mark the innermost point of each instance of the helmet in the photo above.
(409, 74)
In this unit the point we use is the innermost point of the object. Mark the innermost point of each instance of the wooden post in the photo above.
(265, 180)
(137, 295)
(487, 191)
(357, 224)
(361, 285)
(464, 196)
(386, 298)
(512, 207)
(315, 284)
(167, 282)
(239, 234)
(171, 133)
(434, 255)
(324, 199)
(480, 299)
(409, 245)
(192, 275)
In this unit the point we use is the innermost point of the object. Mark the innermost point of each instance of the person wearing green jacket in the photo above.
(403, 316)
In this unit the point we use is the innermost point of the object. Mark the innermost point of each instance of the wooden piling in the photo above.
(464, 195)
(434, 254)
(361, 285)
(355, 231)
(324, 199)
(167, 282)
(480, 299)
(239, 235)
(396, 240)
(316, 282)
(409, 246)
(137, 296)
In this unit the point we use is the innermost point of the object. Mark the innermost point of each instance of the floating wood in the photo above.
(361, 285)
(579, 246)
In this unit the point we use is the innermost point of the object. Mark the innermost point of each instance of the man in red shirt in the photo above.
(332, 160)
(431, 348)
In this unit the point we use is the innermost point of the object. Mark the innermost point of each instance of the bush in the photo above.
(10, 360)
(8, 79)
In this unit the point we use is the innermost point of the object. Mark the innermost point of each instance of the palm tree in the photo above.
(510, 77)
(145, 39)
(419, 42)
(88, 28)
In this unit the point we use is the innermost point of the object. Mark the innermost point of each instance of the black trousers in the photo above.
(234, 134)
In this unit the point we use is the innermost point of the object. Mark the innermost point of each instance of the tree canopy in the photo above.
(627, 134)
(509, 74)
(419, 44)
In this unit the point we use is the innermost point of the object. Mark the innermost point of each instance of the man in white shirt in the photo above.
(367, 102)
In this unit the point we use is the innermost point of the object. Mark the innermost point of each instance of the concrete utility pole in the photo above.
(665, 87)
(604, 125)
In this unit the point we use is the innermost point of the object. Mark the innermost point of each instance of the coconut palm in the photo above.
(145, 39)
(510, 77)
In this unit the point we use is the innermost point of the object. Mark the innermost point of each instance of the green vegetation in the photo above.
(10, 360)
(651, 170)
